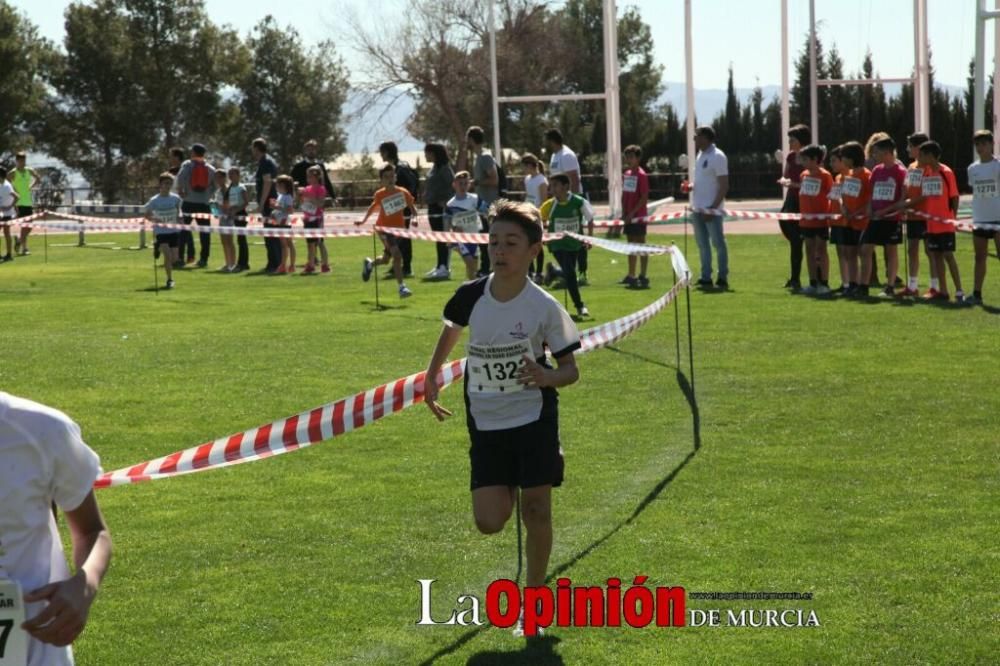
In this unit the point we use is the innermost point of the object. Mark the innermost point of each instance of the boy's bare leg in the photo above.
(536, 510)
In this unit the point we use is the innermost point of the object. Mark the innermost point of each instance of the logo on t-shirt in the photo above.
(519, 332)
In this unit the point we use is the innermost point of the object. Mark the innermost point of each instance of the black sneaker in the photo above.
(202, 263)
(170, 284)
(629, 282)
(703, 282)
(8, 257)
(722, 284)
(899, 284)
(643, 282)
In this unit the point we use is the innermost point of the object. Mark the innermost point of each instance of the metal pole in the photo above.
(925, 71)
(996, 77)
(611, 108)
(917, 79)
(493, 82)
(979, 74)
(785, 113)
(689, 77)
(813, 88)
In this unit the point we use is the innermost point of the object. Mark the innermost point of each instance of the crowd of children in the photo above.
(858, 209)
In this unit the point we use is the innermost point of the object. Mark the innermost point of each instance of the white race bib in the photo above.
(630, 183)
(810, 186)
(308, 206)
(884, 190)
(914, 177)
(13, 639)
(932, 186)
(466, 222)
(393, 204)
(493, 368)
(570, 224)
(984, 189)
(851, 187)
(165, 215)
(835, 191)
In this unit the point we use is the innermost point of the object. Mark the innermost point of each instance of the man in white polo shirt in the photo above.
(563, 160)
(44, 462)
(711, 182)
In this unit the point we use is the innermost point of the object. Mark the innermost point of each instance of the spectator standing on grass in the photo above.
(236, 208)
(300, 174)
(485, 180)
(711, 183)
(267, 173)
(562, 160)
(798, 137)
(536, 192)
(406, 178)
(196, 187)
(438, 191)
(46, 464)
(24, 180)
(8, 212)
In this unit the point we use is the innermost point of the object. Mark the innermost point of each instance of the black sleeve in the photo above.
(330, 192)
(458, 310)
(299, 173)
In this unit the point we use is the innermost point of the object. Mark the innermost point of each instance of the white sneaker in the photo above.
(583, 312)
(439, 273)
(170, 284)
(432, 273)
(404, 291)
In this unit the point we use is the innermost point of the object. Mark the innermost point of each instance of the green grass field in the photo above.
(847, 449)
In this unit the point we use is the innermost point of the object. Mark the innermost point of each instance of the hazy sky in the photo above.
(743, 32)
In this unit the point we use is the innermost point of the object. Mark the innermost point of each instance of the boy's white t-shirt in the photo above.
(7, 199)
(984, 179)
(43, 459)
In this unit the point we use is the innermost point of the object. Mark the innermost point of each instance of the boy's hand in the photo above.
(533, 374)
(431, 396)
(66, 615)
(358, 223)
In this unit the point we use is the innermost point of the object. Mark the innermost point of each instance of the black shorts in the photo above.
(814, 232)
(882, 232)
(941, 242)
(916, 229)
(843, 236)
(527, 456)
(25, 211)
(986, 233)
(171, 239)
(5, 221)
(312, 224)
(635, 229)
(389, 241)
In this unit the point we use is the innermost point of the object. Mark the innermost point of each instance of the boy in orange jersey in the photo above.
(916, 226)
(855, 194)
(814, 191)
(939, 199)
(390, 202)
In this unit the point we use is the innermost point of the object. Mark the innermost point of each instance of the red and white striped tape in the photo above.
(337, 418)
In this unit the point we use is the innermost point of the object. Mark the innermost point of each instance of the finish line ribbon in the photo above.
(337, 418)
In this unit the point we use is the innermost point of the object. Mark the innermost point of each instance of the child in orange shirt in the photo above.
(838, 225)
(814, 191)
(939, 198)
(855, 193)
(390, 202)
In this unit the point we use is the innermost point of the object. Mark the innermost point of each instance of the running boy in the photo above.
(312, 197)
(984, 178)
(887, 182)
(390, 202)
(939, 200)
(46, 463)
(814, 191)
(635, 196)
(566, 212)
(462, 214)
(165, 208)
(510, 388)
(855, 196)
